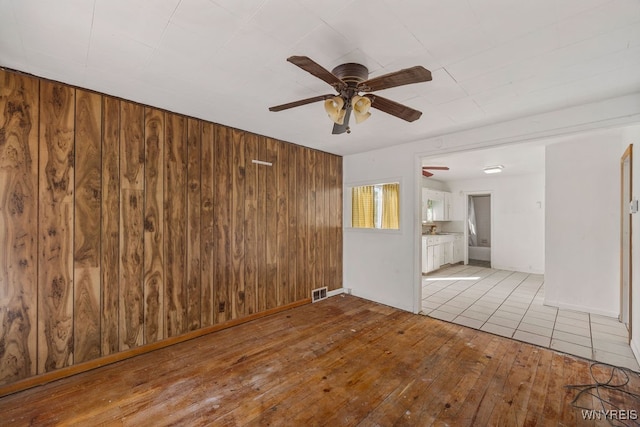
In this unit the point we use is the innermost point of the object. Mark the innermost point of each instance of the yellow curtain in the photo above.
(391, 206)
(362, 207)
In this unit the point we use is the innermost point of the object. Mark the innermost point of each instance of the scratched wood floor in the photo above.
(341, 362)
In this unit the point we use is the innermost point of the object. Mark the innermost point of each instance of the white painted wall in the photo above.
(385, 267)
(518, 220)
(378, 264)
(434, 184)
(583, 221)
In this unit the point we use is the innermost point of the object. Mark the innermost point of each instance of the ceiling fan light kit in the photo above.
(333, 107)
(361, 106)
(349, 80)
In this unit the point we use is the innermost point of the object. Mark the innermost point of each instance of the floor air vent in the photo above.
(318, 294)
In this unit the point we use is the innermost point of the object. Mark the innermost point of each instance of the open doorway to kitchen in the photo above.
(478, 229)
(625, 238)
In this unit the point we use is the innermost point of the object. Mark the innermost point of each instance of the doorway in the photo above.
(625, 237)
(479, 229)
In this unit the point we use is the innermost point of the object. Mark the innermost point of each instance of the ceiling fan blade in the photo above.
(317, 70)
(391, 107)
(300, 102)
(426, 173)
(344, 127)
(438, 168)
(406, 76)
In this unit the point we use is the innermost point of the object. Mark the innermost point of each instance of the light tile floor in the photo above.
(510, 304)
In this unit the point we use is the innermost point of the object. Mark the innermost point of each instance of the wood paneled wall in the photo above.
(123, 225)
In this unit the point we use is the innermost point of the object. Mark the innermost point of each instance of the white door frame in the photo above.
(466, 221)
(626, 194)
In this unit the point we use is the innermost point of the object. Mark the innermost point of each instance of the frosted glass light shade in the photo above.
(333, 107)
(361, 106)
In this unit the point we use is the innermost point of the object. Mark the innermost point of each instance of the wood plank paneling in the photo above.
(123, 225)
(327, 222)
(88, 201)
(110, 230)
(271, 229)
(292, 226)
(251, 225)
(282, 222)
(207, 243)
(56, 177)
(332, 223)
(337, 213)
(19, 121)
(302, 219)
(154, 124)
(237, 290)
(193, 224)
(320, 226)
(222, 218)
(311, 230)
(175, 232)
(131, 225)
(261, 225)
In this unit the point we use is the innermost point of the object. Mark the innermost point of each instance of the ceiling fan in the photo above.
(349, 80)
(425, 170)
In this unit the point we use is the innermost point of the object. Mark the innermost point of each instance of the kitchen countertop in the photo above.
(446, 233)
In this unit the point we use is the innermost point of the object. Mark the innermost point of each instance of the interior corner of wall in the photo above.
(549, 302)
(337, 292)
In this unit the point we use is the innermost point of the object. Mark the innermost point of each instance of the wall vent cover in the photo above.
(318, 294)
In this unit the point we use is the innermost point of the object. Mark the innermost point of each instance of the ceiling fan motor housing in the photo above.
(352, 74)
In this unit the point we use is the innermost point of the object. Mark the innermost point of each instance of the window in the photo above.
(376, 206)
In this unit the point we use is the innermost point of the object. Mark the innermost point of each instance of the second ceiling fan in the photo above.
(425, 170)
(349, 80)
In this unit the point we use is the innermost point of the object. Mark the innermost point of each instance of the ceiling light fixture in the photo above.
(361, 106)
(337, 107)
(349, 80)
(493, 169)
(333, 107)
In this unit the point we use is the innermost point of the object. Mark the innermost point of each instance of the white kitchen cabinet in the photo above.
(430, 258)
(425, 262)
(427, 215)
(447, 253)
(428, 250)
(440, 211)
(438, 250)
(446, 206)
(457, 207)
(458, 249)
(437, 257)
(436, 205)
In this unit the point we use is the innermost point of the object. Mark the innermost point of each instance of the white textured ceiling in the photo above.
(517, 159)
(224, 60)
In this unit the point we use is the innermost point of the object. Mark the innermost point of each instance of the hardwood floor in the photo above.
(340, 362)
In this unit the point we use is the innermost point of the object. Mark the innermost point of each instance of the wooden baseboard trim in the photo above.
(48, 377)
